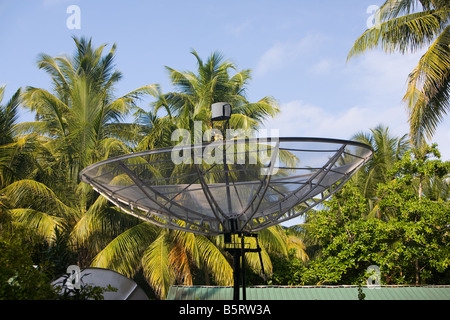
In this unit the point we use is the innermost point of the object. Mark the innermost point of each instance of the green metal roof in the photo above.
(312, 293)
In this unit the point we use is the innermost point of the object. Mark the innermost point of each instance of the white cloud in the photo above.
(382, 76)
(271, 59)
(322, 67)
(238, 29)
(299, 119)
(375, 82)
(281, 54)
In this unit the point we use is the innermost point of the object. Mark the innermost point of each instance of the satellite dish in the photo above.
(127, 289)
(227, 187)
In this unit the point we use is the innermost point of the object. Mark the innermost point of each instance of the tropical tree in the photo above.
(17, 160)
(387, 150)
(409, 248)
(76, 124)
(8, 116)
(414, 25)
(13, 159)
(80, 117)
(426, 171)
(153, 131)
(195, 93)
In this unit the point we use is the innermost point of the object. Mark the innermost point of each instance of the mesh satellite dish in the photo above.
(230, 187)
(261, 183)
(127, 289)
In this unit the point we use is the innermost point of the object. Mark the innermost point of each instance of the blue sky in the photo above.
(297, 50)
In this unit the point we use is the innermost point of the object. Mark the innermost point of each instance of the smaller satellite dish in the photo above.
(127, 289)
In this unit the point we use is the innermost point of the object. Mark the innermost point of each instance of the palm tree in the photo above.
(153, 131)
(387, 151)
(414, 25)
(8, 117)
(8, 147)
(16, 160)
(196, 92)
(76, 125)
(17, 164)
(81, 115)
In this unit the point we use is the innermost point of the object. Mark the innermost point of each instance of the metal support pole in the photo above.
(226, 170)
(236, 273)
(239, 261)
(244, 294)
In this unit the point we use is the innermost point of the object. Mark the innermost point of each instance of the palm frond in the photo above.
(413, 32)
(51, 66)
(214, 261)
(156, 266)
(37, 222)
(30, 194)
(274, 240)
(8, 116)
(428, 93)
(123, 254)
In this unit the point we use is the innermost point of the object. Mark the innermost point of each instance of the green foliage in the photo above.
(387, 150)
(20, 279)
(195, 92)
(361, 294)
(411, 246)
(25, 276)
(286, 270)
(423, 167)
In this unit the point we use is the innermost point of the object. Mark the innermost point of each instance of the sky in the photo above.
(297, 51)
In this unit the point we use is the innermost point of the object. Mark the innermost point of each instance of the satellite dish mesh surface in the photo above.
(230, 186)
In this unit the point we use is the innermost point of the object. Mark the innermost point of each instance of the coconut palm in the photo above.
(8, 117)
(18, 163)
(153, 131)
(196, 92)
(76, 124)
(387, 150)
(414, 25)
(16, 160)
(81, 115)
